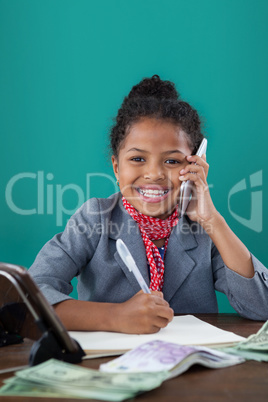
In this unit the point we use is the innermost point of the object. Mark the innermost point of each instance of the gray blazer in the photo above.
(193, 265)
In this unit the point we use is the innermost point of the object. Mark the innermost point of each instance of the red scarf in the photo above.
(153, 229)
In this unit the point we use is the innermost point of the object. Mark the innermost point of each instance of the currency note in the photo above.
(156, 356)
(255, 347)
(17, 386)
(258, 341)
(61, 374)
(55, 378)
(248, 354)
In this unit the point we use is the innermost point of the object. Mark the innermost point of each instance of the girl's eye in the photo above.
(172, 161)
(137, 159)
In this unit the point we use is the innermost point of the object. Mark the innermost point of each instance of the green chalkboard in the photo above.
(65, 67)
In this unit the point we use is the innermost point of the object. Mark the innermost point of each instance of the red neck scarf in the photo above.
(153, 229)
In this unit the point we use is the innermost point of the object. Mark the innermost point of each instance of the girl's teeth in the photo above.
(152, 193)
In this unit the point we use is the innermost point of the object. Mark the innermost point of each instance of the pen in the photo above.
(130, 263)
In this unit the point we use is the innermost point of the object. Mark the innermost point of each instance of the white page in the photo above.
(184, 330)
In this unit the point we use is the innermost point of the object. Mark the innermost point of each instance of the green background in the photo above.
(65, 67)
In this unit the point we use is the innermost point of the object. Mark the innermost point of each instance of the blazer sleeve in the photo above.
(64, 256)
(248, 296)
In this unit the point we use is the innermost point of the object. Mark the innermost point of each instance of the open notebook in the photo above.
(184, 330)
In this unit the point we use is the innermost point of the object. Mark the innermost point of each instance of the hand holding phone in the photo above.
(187, 186)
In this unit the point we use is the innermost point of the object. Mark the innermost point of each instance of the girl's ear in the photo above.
(115, 166)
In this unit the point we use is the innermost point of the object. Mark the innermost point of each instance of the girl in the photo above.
(153, 141)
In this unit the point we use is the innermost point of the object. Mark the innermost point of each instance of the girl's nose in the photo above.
(154, 172)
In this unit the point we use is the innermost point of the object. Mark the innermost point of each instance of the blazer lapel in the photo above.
(127, 230)
(178, 263)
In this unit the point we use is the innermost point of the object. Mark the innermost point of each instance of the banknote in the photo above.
(258, 341)
(17, 386)
(55, 378)
(61, 374)
(248, 354)
(255, 347)
(157, 356)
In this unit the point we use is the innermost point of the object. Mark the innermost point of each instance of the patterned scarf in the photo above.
(153, 229)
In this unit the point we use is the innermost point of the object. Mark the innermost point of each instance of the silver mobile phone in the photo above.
(187, 186)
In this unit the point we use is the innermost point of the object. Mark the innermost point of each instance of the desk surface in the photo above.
(245, 382)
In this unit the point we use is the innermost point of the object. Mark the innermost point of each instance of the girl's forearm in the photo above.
(234, 253)
(79, 315)
(142, 313)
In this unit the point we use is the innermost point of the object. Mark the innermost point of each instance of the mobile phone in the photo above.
(187, 186)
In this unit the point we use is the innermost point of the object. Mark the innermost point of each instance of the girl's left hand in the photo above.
(201, 208)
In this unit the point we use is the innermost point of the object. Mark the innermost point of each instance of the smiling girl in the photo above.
(153, 141)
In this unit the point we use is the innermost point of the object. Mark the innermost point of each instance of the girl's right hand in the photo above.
(144, 313)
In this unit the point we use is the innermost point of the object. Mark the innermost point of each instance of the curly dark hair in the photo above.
(155, 98)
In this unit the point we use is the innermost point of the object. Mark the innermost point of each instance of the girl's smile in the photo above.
(152, 193)
(148, 165)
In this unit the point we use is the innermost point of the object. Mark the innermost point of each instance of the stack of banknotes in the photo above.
(255, 347)
(141, 369)
(55, 378)
(156, 356)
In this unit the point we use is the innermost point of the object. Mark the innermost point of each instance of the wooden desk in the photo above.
(245, 382)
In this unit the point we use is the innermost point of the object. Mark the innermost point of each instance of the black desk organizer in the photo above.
(11, 317)
(24, 312)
